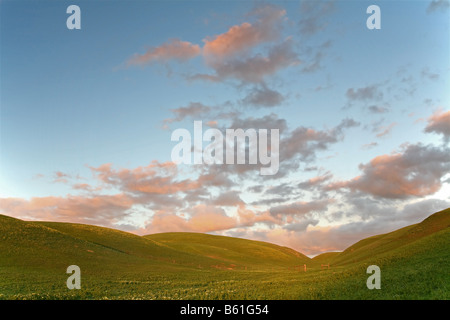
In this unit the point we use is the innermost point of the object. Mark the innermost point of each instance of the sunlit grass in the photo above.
(117, 265)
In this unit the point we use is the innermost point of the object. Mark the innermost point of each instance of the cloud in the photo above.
(416, 172)
(312, 57)
(385, 130)
(301, 226)
(249, 217)
(155, 178)
(263, 98)
(438, 5)
(376, 216)
(305, 142)
(427, 74)
(378, 109)
(309, 237)
(172, 50)
(256, 68)
(313, 16)
(311, 241)
(417, 211)
(283, 189)
(214, 176)
(61, 177)
(270, 121)
(204, 218)
(365, 93)
(296, 146)
(255, 189)
(439, 122)
(203, 77)
(315, 181)
(236, 39)
(270, 201)
(241, 38)
(230, 55)
(300, 207)
(228, 199)
(82, 186)
(369, 145)
(194, 109)
(103, 210)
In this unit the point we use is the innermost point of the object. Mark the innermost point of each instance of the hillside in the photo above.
(129, 245)
(119, 265)
(325, 258)
(371, 247)
(233, 252)
(42, 242)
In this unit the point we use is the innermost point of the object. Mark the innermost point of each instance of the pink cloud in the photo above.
(241, 38)
(439, 122)
(100, 209)
(255, 68)
(202, 218)
(386, 130)
(172, 50)
(248, 217)
(229, 54)
(415, 172)
(156, 178)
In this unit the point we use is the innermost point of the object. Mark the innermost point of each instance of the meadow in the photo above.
(34, 257)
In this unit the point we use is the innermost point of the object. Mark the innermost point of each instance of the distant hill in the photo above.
(326, 257)
(39, 242)
(392, 242)
(114, 264)
(232, 252)
(42, 241)
(51, 243)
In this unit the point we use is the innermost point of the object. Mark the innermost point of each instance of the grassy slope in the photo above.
(377, 245)
(416, 270)
(232, 251)
(119, 265)
(129, 244)
(34, 257)
(325, 258)
(187, 249)
(413, 262)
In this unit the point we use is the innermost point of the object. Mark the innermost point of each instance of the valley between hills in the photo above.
(34, 256)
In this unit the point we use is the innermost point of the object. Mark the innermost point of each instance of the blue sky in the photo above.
(84, 121)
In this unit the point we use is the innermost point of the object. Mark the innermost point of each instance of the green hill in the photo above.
(114, 264)
(129, 245)
(34, 257)
(39, 242)
(232, 252)
(326, 257)
(393, 241)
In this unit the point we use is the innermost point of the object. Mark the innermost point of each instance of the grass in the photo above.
(234, 253)
(118, 265)
(325, 258)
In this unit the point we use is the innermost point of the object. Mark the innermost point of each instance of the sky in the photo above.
(363, 115)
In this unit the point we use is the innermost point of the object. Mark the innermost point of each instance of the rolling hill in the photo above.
(370, 248)
(325, 258)
(42, 242)
(233, 252)
(119, 265)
